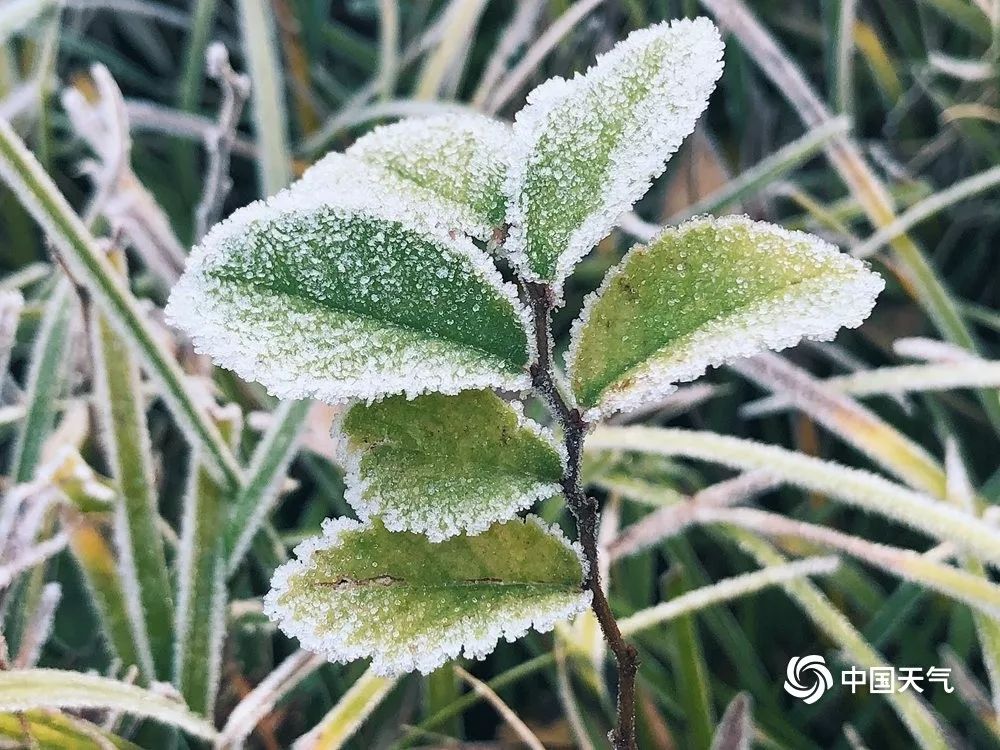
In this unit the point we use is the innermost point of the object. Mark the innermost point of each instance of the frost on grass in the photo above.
(440, 465)
(460, 159)
(704, 293)
(361, 591)
(586, 149)
(350, 293)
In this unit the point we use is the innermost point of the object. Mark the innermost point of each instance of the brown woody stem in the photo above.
(583, 508)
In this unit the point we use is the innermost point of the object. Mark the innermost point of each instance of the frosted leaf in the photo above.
(361, 591)
(460, 158)
(350, 293)
(586, 149)
(703, 293)
(440, 465)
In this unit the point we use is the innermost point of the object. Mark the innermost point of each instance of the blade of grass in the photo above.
(852, 486)
(125, 437)
(852, 422)
(55, 731)
(29, 689)
(44, 382)
(914, 268)
(261, 701)
(388, 40)
(442, 688)
(267, 471)
(912, 711)
(766, 171)
(512, 720)
(961, 494)
(691, 674)
(351, 711)
(108, 593)
(974, 590)
(444, 66)
(538, 51)
(725, 590)
(935, 203)
(267, 94)
(199, 625)
(78, 250)
(882, 381)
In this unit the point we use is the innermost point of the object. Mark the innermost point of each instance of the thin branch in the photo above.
(219, 143)
(583, 508)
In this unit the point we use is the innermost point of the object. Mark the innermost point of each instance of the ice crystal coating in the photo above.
(460, 158)
(350, 293)
(586, 149)
(361, 591)
(440, 465)
(703, 293)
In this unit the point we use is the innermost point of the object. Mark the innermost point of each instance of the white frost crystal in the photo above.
(586, 149)
(351, 292)
(443, 465)
(460, 159)
(704, 293)
(360, 591)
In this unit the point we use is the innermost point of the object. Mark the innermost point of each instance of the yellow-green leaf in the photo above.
(703, 293)
(361, 591)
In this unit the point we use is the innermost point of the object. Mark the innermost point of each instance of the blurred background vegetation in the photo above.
(836, 117)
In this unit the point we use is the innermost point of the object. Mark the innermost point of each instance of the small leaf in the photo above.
(461, 159)
(440, 465)
(352, 294)
(362, 591)
(586, 149)
(703, 293)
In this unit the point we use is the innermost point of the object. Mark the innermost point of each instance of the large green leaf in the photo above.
(461, 159)
(362, 591)
(350, 293)
(709, 291)
(586, 149)
(440, 465)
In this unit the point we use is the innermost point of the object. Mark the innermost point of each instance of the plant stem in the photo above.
(583, 508)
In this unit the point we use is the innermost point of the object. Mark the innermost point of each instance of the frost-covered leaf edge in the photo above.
(637, 181)
(336, 650)
(358, 495)
(652, 383)
(363, 193)
(496, 138)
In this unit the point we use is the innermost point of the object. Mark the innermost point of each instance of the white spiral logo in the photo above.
(803, 666)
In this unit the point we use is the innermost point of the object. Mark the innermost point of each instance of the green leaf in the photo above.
(459, 159)
(362, 591)
(440, 465)
(703, 293)
(586, 149)
(350, 294)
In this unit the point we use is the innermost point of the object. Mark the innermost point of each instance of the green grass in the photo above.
(911, 182)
